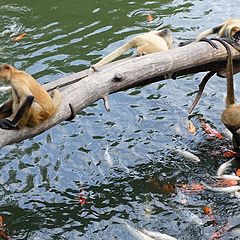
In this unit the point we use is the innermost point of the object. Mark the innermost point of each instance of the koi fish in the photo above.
(157, 235)
(230, 154)
(195, 187)
(208, 211)
(224, 167)
(238, 172)
(107, 157)
(212, 132)
(191, 128)
(187, 155)
(144, 234)
(231, 189)
(228, 177)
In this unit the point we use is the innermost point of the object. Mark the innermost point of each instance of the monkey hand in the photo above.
(7, 124)
(209, 41)
(181, 44)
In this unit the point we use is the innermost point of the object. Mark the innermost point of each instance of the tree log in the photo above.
(83, 88)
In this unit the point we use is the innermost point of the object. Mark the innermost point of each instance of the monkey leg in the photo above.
(21, 113)
(236, 143)
(235, 140)
(229, 68)
(200, 91)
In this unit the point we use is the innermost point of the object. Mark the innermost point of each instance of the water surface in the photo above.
(117, 161)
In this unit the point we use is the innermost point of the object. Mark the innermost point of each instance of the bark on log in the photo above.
(83, 88)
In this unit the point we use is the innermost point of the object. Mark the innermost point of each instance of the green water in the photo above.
(110, 159)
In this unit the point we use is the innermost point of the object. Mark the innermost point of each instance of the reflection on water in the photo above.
(79, 179)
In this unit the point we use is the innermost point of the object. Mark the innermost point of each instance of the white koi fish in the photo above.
(224, 167)
(187, 155)
(231, 189)
(144, 234)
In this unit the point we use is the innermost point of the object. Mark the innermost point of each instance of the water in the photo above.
(117, 161)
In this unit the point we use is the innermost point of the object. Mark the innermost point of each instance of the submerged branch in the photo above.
(83, 88)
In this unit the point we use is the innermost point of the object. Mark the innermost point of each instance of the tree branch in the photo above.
(83, 88)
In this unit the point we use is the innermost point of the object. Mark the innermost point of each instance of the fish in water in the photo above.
(157, 235)
(231, 189)
(144, 234)
(107, 157)
(187, 155)
(227, 177)
(186, 215)
(224, 167)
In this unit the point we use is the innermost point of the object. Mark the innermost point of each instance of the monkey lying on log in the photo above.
(30, 103)
(229, 32)
(149, 42)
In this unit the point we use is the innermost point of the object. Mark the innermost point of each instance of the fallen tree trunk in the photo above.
(83, 88)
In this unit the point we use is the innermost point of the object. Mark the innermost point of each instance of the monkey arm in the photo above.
(6, 109)
(208, 32)
(22, 111)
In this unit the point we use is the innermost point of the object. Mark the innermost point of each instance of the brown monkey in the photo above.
(30, 103)
(231, 115)
(149, 42)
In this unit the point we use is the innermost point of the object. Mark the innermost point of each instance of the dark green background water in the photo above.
(110, 157)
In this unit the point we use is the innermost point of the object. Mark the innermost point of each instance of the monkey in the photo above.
(30, 104)
(149, 42)
(229, 32)
(229, 29)
(231, 115)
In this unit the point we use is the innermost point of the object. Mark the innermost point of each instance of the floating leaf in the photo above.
(20, 37)
(150, 18)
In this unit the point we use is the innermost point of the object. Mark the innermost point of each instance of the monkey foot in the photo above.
(210, 42)
(181, 44)
(7, 124)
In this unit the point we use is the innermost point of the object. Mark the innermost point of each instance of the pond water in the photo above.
(89, 178)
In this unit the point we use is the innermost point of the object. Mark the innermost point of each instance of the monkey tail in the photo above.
(118, 52)
(56, 97)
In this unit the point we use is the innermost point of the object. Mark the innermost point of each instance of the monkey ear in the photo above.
(6, 66)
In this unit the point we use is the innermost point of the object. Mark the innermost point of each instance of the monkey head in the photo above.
(6, 72)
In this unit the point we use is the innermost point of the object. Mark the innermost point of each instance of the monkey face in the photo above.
(5, 72)
(236, 36)
(235, 33)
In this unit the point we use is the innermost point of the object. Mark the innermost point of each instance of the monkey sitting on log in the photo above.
(229, 32)
(30, 103)
(149, 42)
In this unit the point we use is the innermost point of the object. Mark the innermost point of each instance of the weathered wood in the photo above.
(81, 90)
